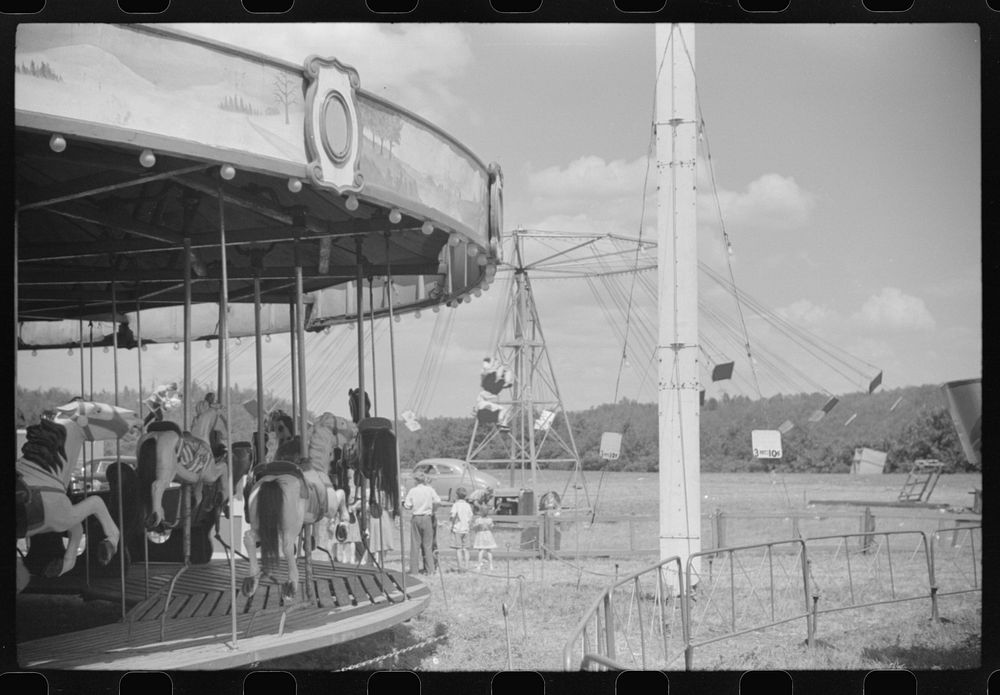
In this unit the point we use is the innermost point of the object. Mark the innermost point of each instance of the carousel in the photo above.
(175, 190)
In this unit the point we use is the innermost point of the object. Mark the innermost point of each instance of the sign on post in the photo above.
(766, 444)
(611, 445)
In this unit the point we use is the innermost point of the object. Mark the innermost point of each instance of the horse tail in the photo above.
(146, 468)
(270, 502)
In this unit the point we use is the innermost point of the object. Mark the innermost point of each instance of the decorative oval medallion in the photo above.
(335, 127)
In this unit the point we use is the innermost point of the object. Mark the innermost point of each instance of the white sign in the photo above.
(766, 444)
(410, 420)
(544, 420)
(611, 445)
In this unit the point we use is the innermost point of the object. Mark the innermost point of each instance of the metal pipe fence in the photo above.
(634, 624)
(641, 621)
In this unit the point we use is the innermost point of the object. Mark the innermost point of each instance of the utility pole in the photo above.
(676, 221)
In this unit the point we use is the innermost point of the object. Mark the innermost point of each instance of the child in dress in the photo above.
(461, 519)
(482, 539)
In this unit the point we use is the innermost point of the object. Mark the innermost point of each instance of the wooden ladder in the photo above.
(921, 481)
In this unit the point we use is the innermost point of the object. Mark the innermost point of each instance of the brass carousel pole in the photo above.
(224, 347)
(118, 441)
(360, 395)
(300, 322)
(138, 338)
(185, 416)
(83, 391)
(259, 360)
(294, 362)
(395, 408)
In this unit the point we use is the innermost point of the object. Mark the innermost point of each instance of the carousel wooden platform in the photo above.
(193, 630)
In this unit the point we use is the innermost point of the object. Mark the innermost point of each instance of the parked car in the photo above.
(447, 475)
(93, 476)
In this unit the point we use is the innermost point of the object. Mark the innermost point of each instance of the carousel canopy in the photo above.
(137, 149)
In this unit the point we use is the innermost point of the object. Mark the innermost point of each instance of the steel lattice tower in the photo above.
(523, 433)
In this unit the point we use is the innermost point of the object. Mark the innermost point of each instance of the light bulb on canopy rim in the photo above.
(227, 171)
(397, 318)
(427, 228)
(472, 250)
(482, 259)
(147, 158)
(57, 143)
(436, 308)
(395, 216)
(294, 185)
(454, 239)
(70, 352)
(351, 203)
(416, 314)
(106, 349)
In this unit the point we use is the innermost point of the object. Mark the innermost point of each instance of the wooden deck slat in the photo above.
(357, 590)
(372, 587)
(323, 594)
(207, 607)
(192, 605)
(340, 591)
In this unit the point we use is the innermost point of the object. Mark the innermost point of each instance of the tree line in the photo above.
(907, 424)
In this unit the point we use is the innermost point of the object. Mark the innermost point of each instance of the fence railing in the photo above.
(574, 534)
(727, 592)
(633, 615)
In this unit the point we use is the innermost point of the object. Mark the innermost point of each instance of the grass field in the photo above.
(520, 614)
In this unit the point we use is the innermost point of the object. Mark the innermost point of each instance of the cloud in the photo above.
(807, 314)
(891, 308)
(771, 202)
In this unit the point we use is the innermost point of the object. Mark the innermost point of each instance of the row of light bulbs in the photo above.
(147, 158)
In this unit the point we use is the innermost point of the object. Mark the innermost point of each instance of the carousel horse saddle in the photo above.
(275, 468)
(165, 426)
(28, 510)
(370, 424)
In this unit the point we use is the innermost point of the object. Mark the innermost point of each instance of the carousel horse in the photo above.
(282, 497)
(165, 454)
(44, 472)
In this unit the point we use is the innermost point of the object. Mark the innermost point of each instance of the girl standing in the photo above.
(482, 539)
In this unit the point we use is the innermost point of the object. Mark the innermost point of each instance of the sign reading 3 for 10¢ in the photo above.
(766, 444)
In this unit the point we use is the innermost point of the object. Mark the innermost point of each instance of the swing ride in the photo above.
(172, 189)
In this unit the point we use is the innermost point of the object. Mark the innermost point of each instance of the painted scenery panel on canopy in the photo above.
(102, 79)
(405, 161)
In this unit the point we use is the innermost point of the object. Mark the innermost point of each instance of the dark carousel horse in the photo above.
(284, 496)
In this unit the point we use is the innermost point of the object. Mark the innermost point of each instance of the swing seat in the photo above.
(486, 416)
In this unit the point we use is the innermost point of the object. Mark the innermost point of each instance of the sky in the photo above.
(845, 162)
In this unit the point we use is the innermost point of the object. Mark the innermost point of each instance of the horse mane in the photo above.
(46, 445)
(146, 469)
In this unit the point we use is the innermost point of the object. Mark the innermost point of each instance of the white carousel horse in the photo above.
(283, 497)
(165, 454)
(45, 470)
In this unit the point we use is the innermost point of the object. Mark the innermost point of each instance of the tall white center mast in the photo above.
(676, 221)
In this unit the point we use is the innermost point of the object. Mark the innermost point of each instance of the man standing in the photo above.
(422, 500)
